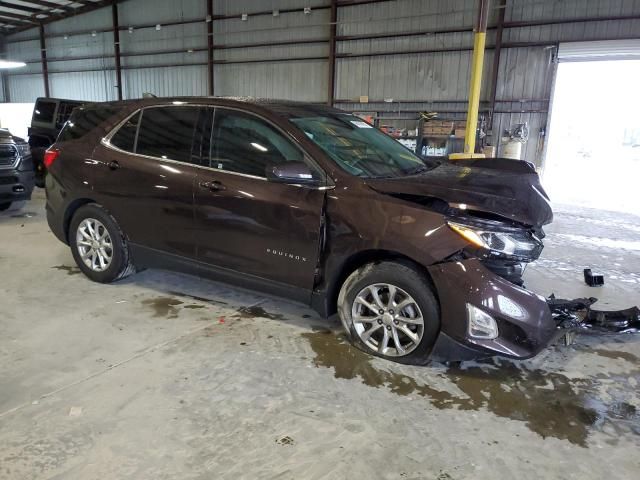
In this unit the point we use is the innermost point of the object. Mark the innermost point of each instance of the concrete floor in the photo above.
(167, 376)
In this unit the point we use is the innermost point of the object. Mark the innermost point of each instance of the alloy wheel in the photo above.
(94, 244)
(387, 319)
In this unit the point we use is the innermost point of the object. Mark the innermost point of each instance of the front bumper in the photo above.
(16, 185)
(524, 320)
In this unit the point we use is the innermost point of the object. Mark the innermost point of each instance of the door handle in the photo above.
(214, 186)
(113, 165)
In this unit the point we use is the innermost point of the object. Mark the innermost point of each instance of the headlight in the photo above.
(516, 243)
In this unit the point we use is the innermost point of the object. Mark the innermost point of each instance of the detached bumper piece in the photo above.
(577, 315)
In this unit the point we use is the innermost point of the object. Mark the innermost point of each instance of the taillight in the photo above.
(50, 156)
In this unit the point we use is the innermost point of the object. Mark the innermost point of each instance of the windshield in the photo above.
(359, 148)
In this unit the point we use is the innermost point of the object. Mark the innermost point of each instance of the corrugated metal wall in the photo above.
(412, 73)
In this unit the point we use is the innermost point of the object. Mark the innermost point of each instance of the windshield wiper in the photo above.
(417, 170)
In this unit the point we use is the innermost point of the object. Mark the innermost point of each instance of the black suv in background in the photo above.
(49, 116)
(16, 170)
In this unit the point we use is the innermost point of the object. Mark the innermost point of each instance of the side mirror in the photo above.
(291, 172)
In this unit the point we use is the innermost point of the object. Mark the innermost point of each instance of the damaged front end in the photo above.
(501, 317)
(499, 208)
(505, 248)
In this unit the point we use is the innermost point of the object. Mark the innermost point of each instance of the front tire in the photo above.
(389, 310)
(98, 245)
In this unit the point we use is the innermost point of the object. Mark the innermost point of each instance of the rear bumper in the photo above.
(16, 185)
(55, 207)
(524, 321)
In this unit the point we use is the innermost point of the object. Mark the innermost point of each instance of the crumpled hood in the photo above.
(508, 188)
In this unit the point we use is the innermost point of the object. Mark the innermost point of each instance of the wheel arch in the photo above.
(359, 259)
(70, 211)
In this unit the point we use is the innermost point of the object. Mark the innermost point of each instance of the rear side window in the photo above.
(246, 144)
(202, 138)
(64, 112)
(83, 120)
(44, 111)
(167, 132)
(125, 137)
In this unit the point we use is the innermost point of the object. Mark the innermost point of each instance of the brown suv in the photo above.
(310, 203)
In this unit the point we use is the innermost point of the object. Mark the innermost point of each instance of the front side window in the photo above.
(359, 148)
(167, 132)
(243, 143)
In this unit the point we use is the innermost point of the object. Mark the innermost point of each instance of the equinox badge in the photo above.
(280, 253)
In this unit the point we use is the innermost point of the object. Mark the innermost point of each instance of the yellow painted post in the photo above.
(477, 62)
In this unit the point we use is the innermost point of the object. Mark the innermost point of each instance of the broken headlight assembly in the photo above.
(496, 240)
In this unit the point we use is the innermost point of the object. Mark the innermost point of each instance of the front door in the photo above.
(145, 177)
(245, 222)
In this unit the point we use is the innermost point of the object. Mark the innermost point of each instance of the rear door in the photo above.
(145, 174)
(245, 222)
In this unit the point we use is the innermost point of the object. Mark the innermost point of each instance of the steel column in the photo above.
(43, 60)
(331, 84)
(477, 63)
(116, 48)
(209, 47)
(496, 55)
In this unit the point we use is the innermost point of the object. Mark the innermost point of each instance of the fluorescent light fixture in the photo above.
(11, 64)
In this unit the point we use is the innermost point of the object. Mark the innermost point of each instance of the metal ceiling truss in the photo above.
(19, 15)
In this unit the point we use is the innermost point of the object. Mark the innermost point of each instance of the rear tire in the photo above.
(389, 310)
(98, 245)
(5, 206)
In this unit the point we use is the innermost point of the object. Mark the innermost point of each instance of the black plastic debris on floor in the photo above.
(593, 279)
(578, 315)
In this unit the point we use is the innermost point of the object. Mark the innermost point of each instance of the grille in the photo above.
(8, 156)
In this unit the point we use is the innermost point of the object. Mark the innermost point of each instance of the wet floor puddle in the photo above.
(169, 307)
(550, 404)
(616, 355)
(163, 306)
(68, 269)
(256, 311)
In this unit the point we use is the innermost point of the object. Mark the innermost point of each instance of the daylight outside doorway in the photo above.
(593, 156)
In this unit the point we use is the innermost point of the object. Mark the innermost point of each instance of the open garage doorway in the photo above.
(593, 155)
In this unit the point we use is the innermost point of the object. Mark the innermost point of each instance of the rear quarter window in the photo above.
(83, 120)
(44, 111)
